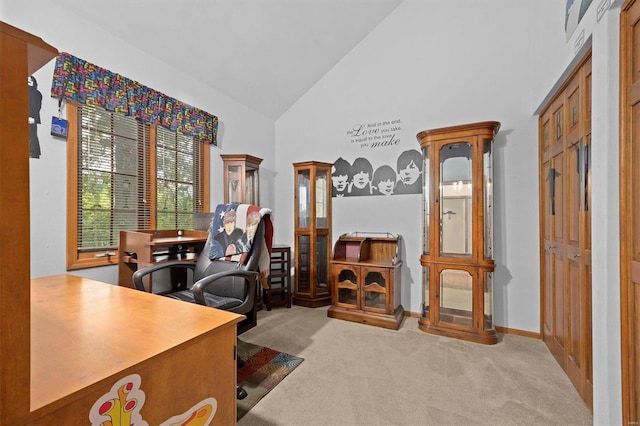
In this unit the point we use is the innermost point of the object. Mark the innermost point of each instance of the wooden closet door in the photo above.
(630, 210)
(553, 259)
(578, 249)
(565, 229)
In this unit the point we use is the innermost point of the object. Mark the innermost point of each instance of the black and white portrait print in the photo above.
(361, 178)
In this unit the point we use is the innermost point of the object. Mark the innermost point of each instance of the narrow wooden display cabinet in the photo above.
(457, 258)
(241, 178)
(366, 276)
(312, 227)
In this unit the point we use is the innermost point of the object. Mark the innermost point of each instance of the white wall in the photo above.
(432, 64)
(605, 220)
(241, 131)
(605, 224)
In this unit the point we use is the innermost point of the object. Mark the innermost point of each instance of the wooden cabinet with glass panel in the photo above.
(241, 179)
(457, 257)
(365, 273)
(312, 228)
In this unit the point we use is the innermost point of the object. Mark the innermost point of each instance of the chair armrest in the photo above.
(141, 273)
(250, 276)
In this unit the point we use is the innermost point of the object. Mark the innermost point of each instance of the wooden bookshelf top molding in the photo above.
(489, 128)
(241, 157)
(38, 51)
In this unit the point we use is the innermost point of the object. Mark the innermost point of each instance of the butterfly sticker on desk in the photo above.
(122, 404)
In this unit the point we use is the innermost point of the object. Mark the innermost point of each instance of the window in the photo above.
(125, 175)
(177, 179)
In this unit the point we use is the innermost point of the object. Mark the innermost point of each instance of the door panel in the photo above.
(545, 226)
(559, 305)
(573, 348)
(574, 205)
(587, 367)
(557, 176)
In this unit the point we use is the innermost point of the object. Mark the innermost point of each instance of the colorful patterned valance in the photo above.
(80, 81)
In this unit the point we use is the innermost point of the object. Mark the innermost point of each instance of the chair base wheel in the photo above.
(240, 392)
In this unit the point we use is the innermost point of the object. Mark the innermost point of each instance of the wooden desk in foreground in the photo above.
(168, 358)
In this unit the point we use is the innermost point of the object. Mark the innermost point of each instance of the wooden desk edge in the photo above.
(42, 404)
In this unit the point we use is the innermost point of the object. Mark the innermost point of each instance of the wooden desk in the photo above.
(138, 249)
(87, 335)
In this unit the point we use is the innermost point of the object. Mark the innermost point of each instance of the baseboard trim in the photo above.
(507, 330)
(503, 330)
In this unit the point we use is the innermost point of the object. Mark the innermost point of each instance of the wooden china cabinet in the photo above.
(312, 227)
(365, 276)
(241, 179)
(457, 259)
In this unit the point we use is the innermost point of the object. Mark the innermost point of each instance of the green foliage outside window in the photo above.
(115, 178)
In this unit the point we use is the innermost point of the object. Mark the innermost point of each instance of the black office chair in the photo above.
(218, 283)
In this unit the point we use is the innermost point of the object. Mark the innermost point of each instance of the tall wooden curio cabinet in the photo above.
(457, 258)
(241, 178)
(312, 227)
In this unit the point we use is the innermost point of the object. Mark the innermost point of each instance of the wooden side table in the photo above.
(279, 291)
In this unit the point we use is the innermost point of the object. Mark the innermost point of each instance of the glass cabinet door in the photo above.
(487, 174)
(322, 178)
(304, 198)
(234, 184)
(426, 200)
(303, 274)
(455, 200)
(375, 290)
(456, 297)
(426, 292)
(346, 281)
(251, 179)
(322, 264)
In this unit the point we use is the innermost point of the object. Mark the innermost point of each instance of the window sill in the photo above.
(89, 260)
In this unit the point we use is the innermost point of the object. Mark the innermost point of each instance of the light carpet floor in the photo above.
(356, 374)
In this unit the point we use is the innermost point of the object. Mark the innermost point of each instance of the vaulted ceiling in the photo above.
(263, 53)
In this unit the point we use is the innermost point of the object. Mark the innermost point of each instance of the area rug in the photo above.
(263, 369)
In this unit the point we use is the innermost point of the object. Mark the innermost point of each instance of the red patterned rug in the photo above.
(263, 369)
